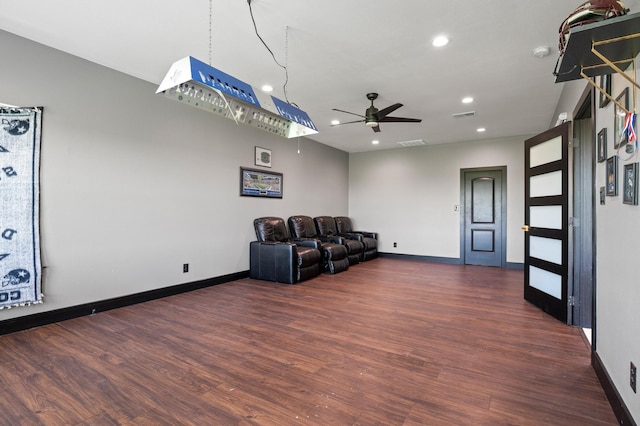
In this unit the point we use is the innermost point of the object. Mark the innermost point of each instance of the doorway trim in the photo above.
(503, 209)
(583, 212)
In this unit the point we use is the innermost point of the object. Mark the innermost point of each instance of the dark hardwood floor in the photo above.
(389, 342)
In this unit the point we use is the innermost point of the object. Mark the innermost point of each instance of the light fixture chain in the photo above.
(286, 46)
(210, 28)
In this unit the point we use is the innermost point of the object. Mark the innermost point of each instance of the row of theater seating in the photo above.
(322, 244)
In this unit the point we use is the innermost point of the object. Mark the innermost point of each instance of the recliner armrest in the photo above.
(336, 239)
(283, 247)
(333, 239)
(273, 261)
(352, 236)
(308, 242)
(368, 234)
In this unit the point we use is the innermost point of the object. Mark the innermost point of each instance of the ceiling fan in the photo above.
(373, 116)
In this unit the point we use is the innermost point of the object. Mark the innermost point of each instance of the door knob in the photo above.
(525, 228)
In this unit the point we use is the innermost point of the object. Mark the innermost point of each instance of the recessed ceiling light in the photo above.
(267, 88)
(467, 100)
(481, 129)
(440, 41)
(335, 122)
(376, 142)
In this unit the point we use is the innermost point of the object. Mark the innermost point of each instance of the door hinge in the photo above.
(572, 301)
(574, 221)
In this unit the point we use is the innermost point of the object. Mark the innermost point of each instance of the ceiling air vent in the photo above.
(464, 114)
(412, 143)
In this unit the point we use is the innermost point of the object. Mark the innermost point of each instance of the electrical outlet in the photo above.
(395, 244)
(185, 267)
(632, 377)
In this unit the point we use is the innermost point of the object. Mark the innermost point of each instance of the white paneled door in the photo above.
(547, 221)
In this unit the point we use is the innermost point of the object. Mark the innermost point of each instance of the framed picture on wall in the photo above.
(602, 145)
(260, 183)
(263, 157)
(620, 115)
(630, 192)
(605, 84)
(612, 176)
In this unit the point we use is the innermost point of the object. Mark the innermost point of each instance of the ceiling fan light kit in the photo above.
(197, 84)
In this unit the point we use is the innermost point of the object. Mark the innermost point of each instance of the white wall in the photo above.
(618, 280)
(572, 91)
(408, 194)
(133, 185)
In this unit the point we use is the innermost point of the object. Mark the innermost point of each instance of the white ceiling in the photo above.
(336, 51)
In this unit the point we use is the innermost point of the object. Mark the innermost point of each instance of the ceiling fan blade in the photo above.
(400, 120)
(376, 129)
(388, 110)
(347, 112)
(348, 122)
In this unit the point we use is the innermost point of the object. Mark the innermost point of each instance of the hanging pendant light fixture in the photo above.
(197, 84)
(200, 85)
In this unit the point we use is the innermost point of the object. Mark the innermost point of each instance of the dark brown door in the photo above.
(547, 221)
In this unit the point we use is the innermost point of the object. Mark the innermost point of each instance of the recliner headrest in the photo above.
(344, 224)
(271, 229)
(302, 227)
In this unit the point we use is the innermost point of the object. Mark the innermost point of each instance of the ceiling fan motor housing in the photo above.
(371, 116)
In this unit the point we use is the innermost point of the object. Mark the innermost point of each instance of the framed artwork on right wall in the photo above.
(602, 145)
(630, 190)
(605, 84)
(620, 116)
(612, 176)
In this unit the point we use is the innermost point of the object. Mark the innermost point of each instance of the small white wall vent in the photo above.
(412, 143)
(464, 114)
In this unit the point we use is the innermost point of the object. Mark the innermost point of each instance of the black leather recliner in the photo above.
(275, 257)
(326, 227)
(334, 253)
(369, 239)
